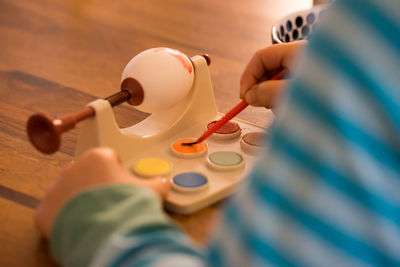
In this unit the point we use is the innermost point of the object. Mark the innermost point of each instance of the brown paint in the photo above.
(135, 90)
(254, 139)
(228, 128)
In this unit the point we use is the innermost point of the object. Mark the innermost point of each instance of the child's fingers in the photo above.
(267, 61)
(160, 185)
(43, 220)
(265, 94)
(252, 73)
(264, 61)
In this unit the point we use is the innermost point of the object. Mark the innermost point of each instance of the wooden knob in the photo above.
(45, 133)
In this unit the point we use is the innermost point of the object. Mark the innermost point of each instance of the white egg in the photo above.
(165, 75)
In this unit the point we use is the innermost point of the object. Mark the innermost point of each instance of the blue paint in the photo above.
(190, 179)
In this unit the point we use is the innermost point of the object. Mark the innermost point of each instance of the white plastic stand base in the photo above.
(152, 138)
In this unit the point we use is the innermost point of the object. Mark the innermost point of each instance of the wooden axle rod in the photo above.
(45, 133)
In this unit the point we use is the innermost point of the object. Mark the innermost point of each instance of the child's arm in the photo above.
(96, 167)
(94, 201)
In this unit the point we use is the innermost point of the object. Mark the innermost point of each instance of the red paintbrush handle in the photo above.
(278, 75)
(236, 110)
(228, 116)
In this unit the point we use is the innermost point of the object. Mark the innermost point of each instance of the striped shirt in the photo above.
(326, 192)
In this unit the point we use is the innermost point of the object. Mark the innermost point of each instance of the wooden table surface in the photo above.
(56, 56)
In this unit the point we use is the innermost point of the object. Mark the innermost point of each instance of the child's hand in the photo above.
(98, 166)
(254, 85)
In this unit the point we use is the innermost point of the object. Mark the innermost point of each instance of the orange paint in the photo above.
(177, 146)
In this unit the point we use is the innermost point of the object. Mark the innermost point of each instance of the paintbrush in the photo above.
(228, 116)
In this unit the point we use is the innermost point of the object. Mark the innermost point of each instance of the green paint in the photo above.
(226, 158)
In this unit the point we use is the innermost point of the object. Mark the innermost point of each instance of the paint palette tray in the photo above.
(213, 184)
(197, 181)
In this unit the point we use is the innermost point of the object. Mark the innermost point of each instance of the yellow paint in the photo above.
(149, 167)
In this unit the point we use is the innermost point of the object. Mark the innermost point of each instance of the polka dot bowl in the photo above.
(296, 26)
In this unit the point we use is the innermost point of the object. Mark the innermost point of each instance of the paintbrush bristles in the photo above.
(189, 144)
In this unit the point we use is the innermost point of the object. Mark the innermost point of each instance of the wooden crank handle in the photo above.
(45, 133)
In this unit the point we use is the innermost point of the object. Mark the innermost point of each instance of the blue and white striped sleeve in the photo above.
(327, 190)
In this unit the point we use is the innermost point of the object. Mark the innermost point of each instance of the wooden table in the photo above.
(56, 56)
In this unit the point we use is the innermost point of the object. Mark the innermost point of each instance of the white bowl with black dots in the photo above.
(297, 26)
